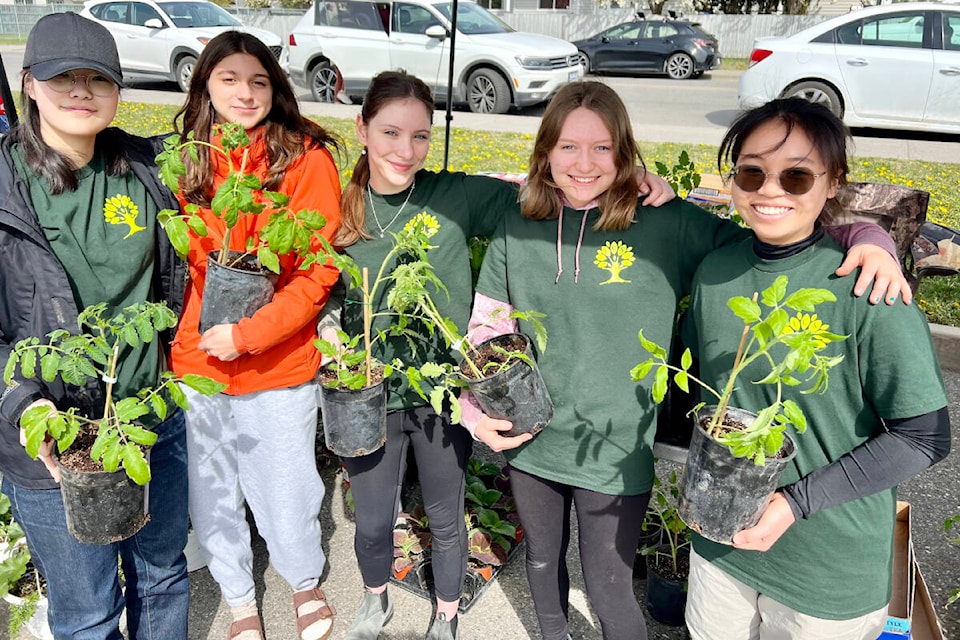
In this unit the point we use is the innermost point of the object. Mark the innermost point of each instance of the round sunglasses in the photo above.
(97, 84)
(796, 181)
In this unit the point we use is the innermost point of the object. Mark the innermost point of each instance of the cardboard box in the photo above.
(910, 614)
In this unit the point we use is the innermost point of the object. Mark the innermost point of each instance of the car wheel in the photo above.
(818, 93)
(584, 62)
(323, 82)
(679, 66)
(487, 92)
(184, 72)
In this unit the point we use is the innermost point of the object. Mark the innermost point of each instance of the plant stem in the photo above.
(366, 320)
(714, 428)
(108, 406)
(225, 247)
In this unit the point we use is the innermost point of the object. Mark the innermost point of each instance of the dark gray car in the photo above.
(678, 49)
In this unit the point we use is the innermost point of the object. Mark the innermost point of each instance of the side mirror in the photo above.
(153, 23)
(436, 31)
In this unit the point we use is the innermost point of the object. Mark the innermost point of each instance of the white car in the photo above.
(893, 66)
(351, 41)
(164, 39)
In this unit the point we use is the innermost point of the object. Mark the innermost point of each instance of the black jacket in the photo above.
(36, 298)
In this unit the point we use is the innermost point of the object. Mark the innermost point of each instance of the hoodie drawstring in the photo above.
(576, 255)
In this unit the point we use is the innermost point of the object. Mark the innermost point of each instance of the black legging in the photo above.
(609, 533)
(441, 451)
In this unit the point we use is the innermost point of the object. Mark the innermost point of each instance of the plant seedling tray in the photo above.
(474, 585)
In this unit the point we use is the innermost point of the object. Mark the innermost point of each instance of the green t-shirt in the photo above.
(461, 206)
(104, 234)
(837, 563)
(601, 434)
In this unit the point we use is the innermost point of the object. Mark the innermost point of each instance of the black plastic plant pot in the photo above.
(231, 293)
(666, 596)
(354, 420)
(102, 507)
(517, 394)
(720, 494)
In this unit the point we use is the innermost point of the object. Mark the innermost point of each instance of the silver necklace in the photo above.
(373, 210)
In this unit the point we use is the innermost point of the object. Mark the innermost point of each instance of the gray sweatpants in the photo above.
(256, 448)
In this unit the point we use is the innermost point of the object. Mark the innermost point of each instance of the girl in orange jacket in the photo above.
(254, 443)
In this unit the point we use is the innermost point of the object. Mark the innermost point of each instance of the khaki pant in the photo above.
(720, 607)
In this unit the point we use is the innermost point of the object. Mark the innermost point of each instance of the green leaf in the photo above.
(808, 299)
(640, 371)
(28, 364)
(772, 296)
(139, 435)
(50, 366)
(129, 409)
(686, 360)
(159, 406)
(178, 396)
(202, 384)
(179, 235)
(660, 382)
(656, 350)
(135, 464)
(791, 410)
(432, 370)
(681, 380)
(745, 309)
(268, 259)
(436, 399)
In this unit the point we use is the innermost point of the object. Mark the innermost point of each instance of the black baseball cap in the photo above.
(61, 42)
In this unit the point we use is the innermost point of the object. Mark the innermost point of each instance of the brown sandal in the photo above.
(250, 623)
(324, 612)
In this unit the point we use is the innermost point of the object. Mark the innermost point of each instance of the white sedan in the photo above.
(892, 67)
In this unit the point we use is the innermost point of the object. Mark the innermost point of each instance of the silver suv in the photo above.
(338, 46)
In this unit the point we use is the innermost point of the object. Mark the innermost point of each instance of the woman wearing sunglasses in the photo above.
(59, 253)
(818, 563)
(600, 265)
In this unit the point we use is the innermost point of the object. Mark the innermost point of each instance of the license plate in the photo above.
(573, 76)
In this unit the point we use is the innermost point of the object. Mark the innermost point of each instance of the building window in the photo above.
(554, 4)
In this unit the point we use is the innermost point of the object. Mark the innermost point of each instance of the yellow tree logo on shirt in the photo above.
(614, 257)
(120, 209)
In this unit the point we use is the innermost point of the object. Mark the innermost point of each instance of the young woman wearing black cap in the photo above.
(59, 254)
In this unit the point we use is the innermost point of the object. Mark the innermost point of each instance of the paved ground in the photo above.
(504, 611)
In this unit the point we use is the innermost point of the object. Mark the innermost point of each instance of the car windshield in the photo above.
(198, 14)
(473, 19)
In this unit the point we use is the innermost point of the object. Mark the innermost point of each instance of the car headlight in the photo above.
(534, 63)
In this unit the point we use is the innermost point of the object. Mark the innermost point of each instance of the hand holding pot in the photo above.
(776, 519)
(217, 342)
(46, 447)
(488, 431)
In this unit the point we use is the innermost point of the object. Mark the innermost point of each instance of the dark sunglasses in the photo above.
(796, 181)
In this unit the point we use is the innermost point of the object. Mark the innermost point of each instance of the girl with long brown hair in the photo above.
(254, 444)
(630, 265)
(389, 189)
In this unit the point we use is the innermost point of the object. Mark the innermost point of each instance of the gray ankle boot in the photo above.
(374, 613)
(444, 629)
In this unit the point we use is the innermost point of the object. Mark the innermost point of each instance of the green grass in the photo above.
(473, 151)
(734, 64)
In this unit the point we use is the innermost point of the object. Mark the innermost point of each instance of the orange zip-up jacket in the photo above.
(276, 344)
